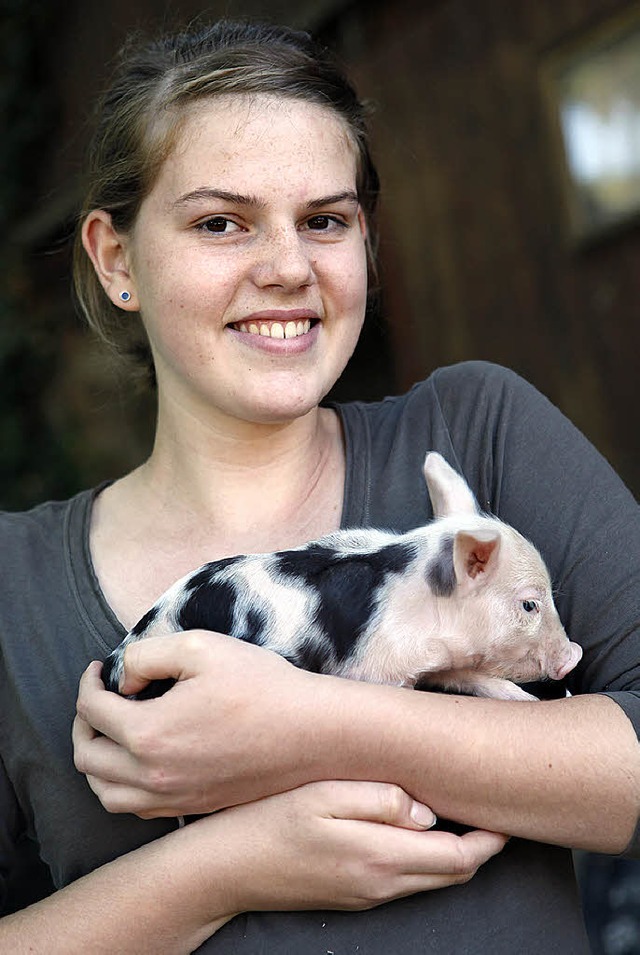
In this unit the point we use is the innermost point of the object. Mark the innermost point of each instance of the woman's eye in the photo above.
(218, 225)
(323, 223)
(530, 606)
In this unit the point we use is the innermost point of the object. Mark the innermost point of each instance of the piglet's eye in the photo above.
(530, 606)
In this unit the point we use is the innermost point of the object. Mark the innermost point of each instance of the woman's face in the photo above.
(248, 259)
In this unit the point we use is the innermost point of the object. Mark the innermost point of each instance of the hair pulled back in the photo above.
(138, 122)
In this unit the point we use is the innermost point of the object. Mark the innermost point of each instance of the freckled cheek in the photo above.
(181, 315)
(170, 286)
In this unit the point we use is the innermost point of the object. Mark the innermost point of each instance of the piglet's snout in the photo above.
(563, 662)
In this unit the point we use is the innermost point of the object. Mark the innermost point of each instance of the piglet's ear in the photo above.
(448, 491)
(475, 556)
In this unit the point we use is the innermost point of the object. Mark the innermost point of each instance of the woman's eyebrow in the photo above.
(348, 195)
(198, 195)
(238, 199)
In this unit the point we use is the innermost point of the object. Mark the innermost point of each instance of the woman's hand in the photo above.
(230, 731)
(340, 845)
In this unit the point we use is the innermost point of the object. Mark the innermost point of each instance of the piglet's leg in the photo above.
(478, 684)
(498, 689)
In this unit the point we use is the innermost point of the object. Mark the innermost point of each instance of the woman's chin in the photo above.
(280, 398)
(273, 412)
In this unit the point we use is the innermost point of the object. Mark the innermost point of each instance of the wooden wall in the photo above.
(476, 257)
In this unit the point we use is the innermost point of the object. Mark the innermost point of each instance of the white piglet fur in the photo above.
(463, 603)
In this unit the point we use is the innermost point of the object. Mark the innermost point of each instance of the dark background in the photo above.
(476, 257)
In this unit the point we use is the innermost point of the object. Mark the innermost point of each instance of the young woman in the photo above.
(225, 242)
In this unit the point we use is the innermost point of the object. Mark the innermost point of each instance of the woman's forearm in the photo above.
(564, 771)
(157, 899)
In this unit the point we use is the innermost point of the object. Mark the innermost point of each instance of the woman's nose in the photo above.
(283, 261)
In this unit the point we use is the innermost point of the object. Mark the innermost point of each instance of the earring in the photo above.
(125, 296)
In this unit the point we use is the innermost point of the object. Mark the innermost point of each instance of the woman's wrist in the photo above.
(342, 732)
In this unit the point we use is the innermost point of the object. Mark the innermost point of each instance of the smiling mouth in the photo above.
(274, 329)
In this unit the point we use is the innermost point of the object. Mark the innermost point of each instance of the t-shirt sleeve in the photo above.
(529, 465)
(9, 831)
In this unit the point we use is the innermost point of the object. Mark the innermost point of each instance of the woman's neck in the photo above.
(251, 470)
(251, 482)
(201, 498)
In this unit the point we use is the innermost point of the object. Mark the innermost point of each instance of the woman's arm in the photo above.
(328, 845)
(563, 771)
(159, 898)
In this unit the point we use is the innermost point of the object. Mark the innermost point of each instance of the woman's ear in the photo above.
(107, 250)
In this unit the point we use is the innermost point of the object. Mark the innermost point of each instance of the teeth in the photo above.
(275, 329)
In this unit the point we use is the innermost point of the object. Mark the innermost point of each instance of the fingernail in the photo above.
(423, 816)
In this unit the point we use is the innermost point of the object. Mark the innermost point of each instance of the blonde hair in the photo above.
(138, 122)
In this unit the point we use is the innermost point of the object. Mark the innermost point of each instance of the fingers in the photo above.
(117, 777)
(98, 735)
(96, 755)
(455, 858)
(405, 862)
(183, 656)
(431, 862)
(103, 711)
(156, 658)
(376, 802)
(460, 857)
(446, 857)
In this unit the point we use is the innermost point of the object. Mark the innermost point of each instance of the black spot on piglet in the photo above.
(441, 574)
(208, 605)
(145, 621)
(348, 587)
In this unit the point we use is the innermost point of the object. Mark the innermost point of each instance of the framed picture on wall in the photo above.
(592, 87)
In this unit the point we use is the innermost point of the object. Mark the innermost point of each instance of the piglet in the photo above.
(463, 603)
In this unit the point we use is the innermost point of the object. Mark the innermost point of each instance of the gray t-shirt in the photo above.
(527, 464)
